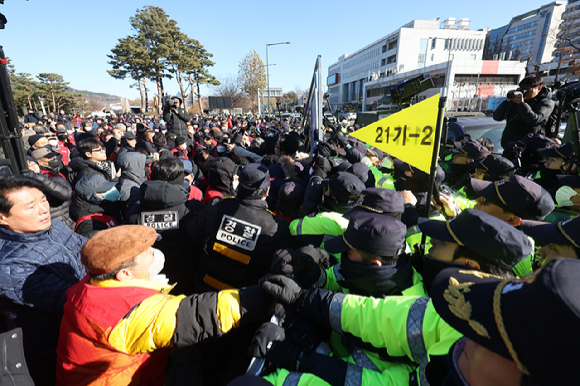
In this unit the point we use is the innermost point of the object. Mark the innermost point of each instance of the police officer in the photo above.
(560, 160)
(343, 190)
(306, 265)
(457, 175)
(492, 168)
(238, 235)
(512, 200)
(408, 328)
(497, 318)
(561, 239)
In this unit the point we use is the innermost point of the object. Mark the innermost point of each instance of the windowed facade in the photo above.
(422, 53)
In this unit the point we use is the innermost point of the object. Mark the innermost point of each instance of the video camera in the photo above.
(569, 92)
(515, 93)
(169, 103)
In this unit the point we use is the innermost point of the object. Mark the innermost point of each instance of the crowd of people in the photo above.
(182, 249)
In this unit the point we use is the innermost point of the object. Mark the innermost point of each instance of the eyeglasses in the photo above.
(98, 150)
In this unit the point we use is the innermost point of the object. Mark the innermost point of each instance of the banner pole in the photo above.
(434, 160)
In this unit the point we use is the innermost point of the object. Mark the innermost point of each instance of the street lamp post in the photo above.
(267, 69)
(260, 101)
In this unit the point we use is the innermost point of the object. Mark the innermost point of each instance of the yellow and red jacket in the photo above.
(119, 332)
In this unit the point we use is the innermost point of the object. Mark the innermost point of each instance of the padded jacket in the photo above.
(36, 270)
(527, 117)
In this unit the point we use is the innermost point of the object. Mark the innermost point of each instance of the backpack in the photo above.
(105, 219)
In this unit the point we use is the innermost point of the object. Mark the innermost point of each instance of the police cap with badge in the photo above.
(471, 148)
(562, 233)
(493, 239)
(494, 166)
(532, 321)
(521, 196)
(379, 200)
(371, 233)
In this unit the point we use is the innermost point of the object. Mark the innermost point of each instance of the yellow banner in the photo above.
(408, 135)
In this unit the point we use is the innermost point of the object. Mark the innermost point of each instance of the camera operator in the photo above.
(525, 110)
(176, 117)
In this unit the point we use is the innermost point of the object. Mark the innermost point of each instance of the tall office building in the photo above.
(448, 51)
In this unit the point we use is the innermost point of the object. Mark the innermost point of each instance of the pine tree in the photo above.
(199, 74)
(54, 88)
(130, 59)
(154, 32)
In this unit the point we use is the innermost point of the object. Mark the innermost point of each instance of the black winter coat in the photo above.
(524, 118)
(238, 238)
(166, 205)
(81, 207)
(59, 195)
(80, 167)
(177, 123)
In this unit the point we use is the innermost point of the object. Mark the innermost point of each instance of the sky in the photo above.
(73, 38)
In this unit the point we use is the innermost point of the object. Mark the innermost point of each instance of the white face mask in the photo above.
(563, 196)
(155, 268)
(53, 142)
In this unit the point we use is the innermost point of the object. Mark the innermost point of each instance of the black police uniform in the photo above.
(239, 237)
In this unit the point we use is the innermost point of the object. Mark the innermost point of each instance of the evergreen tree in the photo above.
(154, 32)
(53, 88)
(199, 74)
(130, 59)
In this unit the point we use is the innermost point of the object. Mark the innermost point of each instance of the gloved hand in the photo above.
(321, 167)
(282, 288)
(285, 313)
(341, 140)
(264, 338)
(284, 354)
(302, 265)
(287, 262)
(318, 255)
(325, 149)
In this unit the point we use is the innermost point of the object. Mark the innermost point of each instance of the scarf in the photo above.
(376, 281)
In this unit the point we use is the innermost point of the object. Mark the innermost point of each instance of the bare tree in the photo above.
(252, 76)
(567, 44)
(230, 87)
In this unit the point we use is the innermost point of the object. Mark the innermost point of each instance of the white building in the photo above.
(566, 54)
(360, 80)
(529, 37)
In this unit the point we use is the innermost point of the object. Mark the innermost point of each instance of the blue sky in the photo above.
(72, 38)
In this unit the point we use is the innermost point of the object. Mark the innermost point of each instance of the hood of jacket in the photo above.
(545, 93)
(162, 195)
(221, 175)
(132, 166)
(81, 207)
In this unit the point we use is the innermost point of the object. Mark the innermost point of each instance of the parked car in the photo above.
(331, 118)
(477, 127)
(349, 116)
